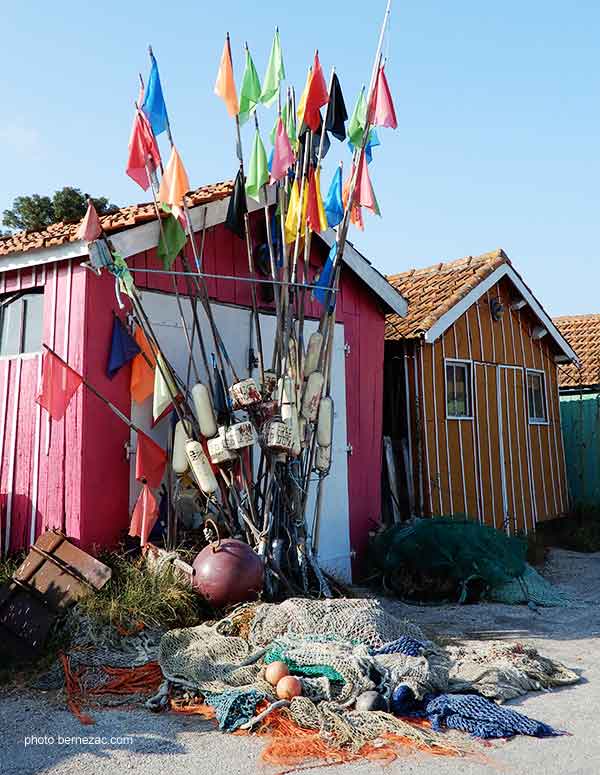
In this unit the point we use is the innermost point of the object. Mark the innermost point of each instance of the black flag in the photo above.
(337, 114)
(237, 207)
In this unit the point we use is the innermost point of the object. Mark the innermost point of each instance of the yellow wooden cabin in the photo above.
(471, 395)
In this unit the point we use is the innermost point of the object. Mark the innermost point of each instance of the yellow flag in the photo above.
(322, 216)
(291, 219)
(303, 97)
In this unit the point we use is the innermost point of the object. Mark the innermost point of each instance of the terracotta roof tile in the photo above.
(125, 217)
(583, 334)
(434, 290)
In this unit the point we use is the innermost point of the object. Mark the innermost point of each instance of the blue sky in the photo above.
(498, 108)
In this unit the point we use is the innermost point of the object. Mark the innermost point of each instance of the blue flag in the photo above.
(154, 103)
(372, 142)
(323, 283)
(333, 204)
(123, 348)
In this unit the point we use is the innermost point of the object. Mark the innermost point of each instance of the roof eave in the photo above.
(504, 270)
(392, 299)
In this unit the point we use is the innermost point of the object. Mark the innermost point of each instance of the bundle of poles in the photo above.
(256, 452)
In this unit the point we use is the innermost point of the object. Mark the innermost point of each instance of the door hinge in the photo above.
(349, 449)
(347, 349)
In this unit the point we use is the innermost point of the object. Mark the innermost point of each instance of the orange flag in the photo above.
(59, 383)
(225, 84)
(174, 184)
(145, 514)
(142, 373)
(356, 211)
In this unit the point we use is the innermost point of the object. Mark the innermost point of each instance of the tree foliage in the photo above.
(37, 212)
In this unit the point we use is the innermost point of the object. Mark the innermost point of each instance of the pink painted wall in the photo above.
(40, 471)
(83, 482)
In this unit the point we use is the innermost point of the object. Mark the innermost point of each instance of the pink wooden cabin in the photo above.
(76, 474)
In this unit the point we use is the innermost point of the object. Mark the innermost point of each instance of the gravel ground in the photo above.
(164, 743)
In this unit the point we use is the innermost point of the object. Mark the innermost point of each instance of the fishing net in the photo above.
(339, 649)
(460, 558)
(501, 671)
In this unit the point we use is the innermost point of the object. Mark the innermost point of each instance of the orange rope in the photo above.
(291, 745)
(144, 679)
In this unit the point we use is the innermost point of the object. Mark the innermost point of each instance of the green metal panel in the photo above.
(580, 416)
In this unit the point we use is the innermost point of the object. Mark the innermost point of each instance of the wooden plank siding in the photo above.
(54, 474)
(496, 467)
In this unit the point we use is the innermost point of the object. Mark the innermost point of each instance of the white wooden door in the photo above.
(234, 324)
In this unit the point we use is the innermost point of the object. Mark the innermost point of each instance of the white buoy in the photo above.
(311, 361)
(312, 396)
(323, 459)
(325, 422)
(201, 468)
(204, 410)
(286, 396)
(180, 438)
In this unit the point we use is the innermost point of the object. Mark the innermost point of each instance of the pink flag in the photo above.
(365, 196)
(382, 110)
(145, 514)
(143, 151)
(90, 228)
(283, 155)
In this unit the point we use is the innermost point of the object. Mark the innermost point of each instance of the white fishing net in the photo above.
(331, 644)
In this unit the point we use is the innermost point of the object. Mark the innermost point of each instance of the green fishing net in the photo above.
(452, 550)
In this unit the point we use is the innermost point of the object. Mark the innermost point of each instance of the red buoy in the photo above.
(228, 572)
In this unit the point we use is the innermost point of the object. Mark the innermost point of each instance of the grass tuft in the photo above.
(136, 595)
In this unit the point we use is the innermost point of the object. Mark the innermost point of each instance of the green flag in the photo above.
(250, 91)
(274, 75)
(258, 170)
(358, 120)
(172, 239)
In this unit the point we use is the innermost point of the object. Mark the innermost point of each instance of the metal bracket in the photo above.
(347, 349)
(252, 359)
(349, 449)
(129, 450)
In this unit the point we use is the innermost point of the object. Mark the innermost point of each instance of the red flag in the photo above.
(317, 96)
(382, 105)
(145, 514)
(313, 216)
(59, 383)
(150, 461)
(142, 150)
(90, 227)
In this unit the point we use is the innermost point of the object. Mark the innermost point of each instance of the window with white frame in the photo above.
(21, 316)
(458, 390)
(536, 397)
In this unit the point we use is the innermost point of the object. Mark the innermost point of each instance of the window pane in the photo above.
(458, 386)
(450, 390)
(11, 328)
(460, 373)
(34, 308)
(536, 397)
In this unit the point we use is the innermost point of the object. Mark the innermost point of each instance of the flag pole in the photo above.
(97, 393)
(327, 321)
(248, 240)
(219, 345)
